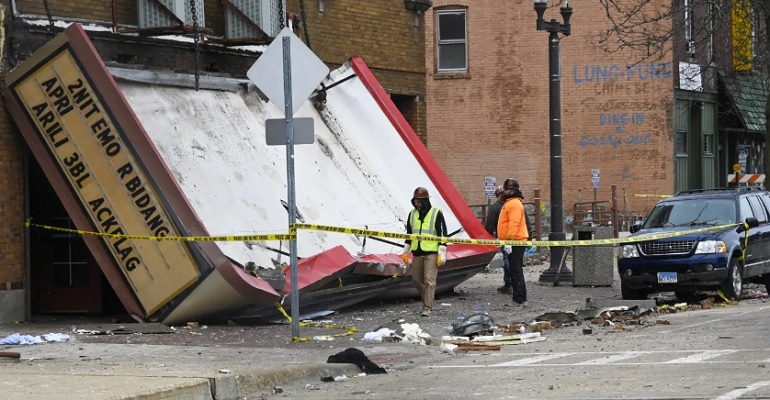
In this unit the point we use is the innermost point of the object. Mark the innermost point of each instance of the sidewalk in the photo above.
(232, 362)
(74, 370)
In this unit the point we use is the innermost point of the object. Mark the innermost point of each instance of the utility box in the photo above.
(593, 265)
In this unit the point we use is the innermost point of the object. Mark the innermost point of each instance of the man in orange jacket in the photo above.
(512, 225)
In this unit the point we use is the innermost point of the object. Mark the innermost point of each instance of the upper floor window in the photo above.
(688, 28)
(452, 41)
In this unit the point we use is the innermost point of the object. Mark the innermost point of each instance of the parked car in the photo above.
(722, 258)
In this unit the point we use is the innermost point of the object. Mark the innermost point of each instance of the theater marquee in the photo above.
(85, 136)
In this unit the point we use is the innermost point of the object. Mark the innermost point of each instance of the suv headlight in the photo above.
(711, 246)
(629, 251)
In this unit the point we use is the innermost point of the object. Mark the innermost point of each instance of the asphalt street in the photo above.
(720, 353)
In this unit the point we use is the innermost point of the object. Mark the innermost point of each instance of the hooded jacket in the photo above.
(512, 224)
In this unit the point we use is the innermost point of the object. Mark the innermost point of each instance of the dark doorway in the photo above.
(65, 277)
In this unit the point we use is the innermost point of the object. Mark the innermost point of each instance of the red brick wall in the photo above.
(11, 202)
(494, 121)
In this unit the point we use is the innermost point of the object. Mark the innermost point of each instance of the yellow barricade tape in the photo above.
(350, 329)
(225, 238)
(395, 235)
(659, 196)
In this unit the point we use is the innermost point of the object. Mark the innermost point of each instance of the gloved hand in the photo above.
(441, 258)
(405, 256)
(507, 249)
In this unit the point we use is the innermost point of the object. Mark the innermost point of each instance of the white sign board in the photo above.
(307, 71)
(690, 77)
(489, 187)
(595, 178)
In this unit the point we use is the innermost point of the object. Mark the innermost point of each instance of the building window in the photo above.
(712, 28)
(688, 28)
(452, 41)
(708, 144)
(680, 143)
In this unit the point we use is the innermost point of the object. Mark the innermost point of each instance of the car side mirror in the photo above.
(751, 222)
(635, 228)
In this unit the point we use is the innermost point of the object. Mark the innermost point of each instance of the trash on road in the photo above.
(355, 356)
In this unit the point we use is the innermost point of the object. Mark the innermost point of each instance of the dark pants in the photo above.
(516, 273)
(506, 269)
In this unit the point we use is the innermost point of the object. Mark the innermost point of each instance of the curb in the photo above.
(265, 379)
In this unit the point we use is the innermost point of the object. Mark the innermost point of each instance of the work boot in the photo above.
(426, 313)
(506, 289)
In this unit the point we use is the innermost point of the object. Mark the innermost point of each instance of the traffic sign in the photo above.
(307, 71)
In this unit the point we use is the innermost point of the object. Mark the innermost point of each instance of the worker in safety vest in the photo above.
(427, 256)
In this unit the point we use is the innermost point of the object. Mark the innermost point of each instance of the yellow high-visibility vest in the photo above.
(427, 227)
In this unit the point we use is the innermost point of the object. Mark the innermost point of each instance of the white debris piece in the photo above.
(414, 334)
(447, 347)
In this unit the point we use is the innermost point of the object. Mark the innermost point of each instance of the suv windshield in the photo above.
(691, 212)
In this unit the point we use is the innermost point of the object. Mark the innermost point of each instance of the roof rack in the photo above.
(736, 189)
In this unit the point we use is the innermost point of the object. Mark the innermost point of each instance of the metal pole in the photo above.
(290, 186)
(557, 210)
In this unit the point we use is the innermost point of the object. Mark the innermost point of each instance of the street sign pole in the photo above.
(266, 73)
(289, 113)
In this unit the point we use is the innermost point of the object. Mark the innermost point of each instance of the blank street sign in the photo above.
(275, 131)
(307, 71)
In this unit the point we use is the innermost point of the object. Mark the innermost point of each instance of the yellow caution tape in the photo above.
(722, 295)
(659, 196)
(350, 329)
(393, 235)
(225, 238)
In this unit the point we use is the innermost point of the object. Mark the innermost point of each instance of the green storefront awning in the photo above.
(748, 93)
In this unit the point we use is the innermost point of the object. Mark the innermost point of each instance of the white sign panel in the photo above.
(595, 178)
(307, 71)
(690, 77)
(489, 187)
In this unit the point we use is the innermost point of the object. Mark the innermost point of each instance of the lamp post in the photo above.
(554, 28)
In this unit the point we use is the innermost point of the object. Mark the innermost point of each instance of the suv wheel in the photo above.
(632, 294)
(733, 285)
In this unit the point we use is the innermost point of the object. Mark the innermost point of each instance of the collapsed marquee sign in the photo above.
(113, 181)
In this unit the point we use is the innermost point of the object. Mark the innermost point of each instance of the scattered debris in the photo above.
(382, 334)
(124, 329)
(355, 356)
(510, 339)
(447, 347)
(11, 356)
(557, 317)
(474, 325)
(15, 338)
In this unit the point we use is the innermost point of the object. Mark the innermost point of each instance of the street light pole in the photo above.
(554, 28)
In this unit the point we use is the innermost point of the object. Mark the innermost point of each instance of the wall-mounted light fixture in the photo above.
(321, 6)
(418, 7)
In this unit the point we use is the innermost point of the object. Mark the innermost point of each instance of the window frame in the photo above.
(440, 42)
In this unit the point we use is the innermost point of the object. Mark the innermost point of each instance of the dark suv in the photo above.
(721, 258)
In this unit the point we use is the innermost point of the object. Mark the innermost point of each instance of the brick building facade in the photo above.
(616, 116)
(383, 33)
